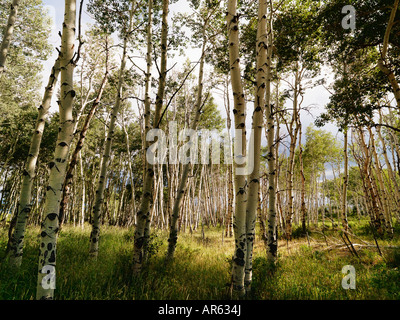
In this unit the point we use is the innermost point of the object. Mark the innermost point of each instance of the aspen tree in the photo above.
(390, 169)
(142, 229)
(159, 102)
(383, 193)
(293, 130)
(303, 210)
(130, 169)
(147, 81)
(8, 33)
(81, 140)
(376, 213)
(359, 160)
(254, 178)
(95, 233)
(49, 228)
(273, 162)
(147, 104)
(240, 182)
(83, 191)
(24, 208)
(230, 195)
(345, 181)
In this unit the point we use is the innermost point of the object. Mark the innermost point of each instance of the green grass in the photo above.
(201, 269)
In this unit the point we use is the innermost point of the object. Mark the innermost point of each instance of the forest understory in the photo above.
(309, 267)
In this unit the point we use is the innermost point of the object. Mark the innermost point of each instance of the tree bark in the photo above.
(49, 229)
(240, 182)
(273, 165)
(8, 33)
(142, 229)
(345, 181)
(303, 210)
(293, 132)
(229, 218)
(16, 242)
(78, 148)
(376, 214)
(383, 193)
(254, 177)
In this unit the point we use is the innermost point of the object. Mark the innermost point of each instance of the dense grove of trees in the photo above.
(256, 61)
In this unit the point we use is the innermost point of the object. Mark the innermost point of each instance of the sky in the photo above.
(315, 98)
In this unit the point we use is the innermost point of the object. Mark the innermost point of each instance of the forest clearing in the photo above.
(199, 150)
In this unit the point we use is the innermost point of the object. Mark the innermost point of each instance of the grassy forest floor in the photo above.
(308, 268)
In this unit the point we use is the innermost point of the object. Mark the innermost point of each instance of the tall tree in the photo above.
(17, 240)
(49, 228)
(95, 234)
(142, 229)
(239, 111)
(85, 127)
(272, 152)
(345, 223)
(263, 67)
(8, 33)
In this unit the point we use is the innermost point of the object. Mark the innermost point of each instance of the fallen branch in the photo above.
(342, 246)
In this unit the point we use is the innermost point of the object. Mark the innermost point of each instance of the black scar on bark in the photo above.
(239, 260)
(49, 246)
(52, 216)
(52, 257)
(43, 234)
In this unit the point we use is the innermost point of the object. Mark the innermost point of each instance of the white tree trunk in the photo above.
(8, 33)
(49, 229)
